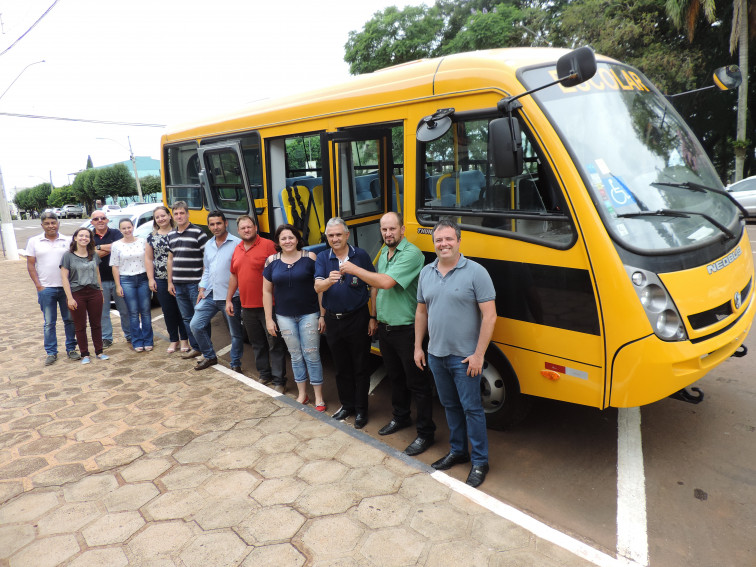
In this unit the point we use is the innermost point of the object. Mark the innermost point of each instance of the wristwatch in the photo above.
(97, 247)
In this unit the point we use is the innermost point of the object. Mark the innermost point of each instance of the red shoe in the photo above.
(321, 408)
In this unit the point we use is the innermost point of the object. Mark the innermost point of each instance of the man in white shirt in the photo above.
(43, 255)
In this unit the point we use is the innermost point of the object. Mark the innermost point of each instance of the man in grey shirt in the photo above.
(455, 305)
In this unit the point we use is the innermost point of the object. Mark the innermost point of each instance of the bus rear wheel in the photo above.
(504, 404)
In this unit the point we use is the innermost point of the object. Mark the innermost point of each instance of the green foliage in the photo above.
(114, 181)
(90, 165)
(62, 196)
(150, 184)
(33, 198)
(488, 30)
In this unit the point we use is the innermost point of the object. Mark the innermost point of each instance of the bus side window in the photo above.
(182, 175)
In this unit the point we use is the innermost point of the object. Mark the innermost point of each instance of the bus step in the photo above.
(741, 352)
(685, 396)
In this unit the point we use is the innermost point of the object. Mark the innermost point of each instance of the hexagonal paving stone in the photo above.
(112, 414)
(94, 487)
(136, 419)
(176, 504)
(112, 528)
(423, 489)
(322, 472)
(159, 541)
(174, 438)
(270, 525)
(28, 507)
(462, 553)
(394, 547)
(329, 499)
(185, 476)
(383, 511)
(13, 538)
(77, 410)
(239, 437)
(109, 557)
(121, 400)
(312, 428)
(47, 407)
(42, 446)
(68, 518)
(277, 443)
(198, 452)
(9, 490)
(277, 424)
(135, 436)
(372, 481)
(498, 533)
(60, 475)
(79, 452)
(145, 469)
(283, 464)
(118, 456)
(283, 490)
(280, 555)
(322, 447)
(14, 438)
(219, 549)
(47, 552)
(130, 496)
(97, 431)
(332, 536)
(225, 512)
(30, 421)
(440, 522)
(237, 458)
(360, 455)
(231, 484)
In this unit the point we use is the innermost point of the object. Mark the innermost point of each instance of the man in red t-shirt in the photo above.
(247, 265)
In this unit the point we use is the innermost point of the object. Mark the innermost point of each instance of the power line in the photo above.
(112, 122)
(7, 49)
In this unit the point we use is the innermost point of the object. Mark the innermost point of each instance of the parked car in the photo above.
(110, 208)
(72, 212)
(139, 215)
(58, 212)
(744, 192)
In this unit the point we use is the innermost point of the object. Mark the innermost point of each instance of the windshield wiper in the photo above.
(679, 214)
(698, 188)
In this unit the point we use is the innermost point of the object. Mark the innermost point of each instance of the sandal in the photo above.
(148, 348)
(305, 401)
(138, 349)
(321, 407)
(171, 348)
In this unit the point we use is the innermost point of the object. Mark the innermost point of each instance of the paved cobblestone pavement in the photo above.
(139, 461)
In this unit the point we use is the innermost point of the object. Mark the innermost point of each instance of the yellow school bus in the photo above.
(623, 271)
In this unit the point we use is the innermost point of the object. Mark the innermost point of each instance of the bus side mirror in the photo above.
(728, 78)
(505, 147)
(576, 67)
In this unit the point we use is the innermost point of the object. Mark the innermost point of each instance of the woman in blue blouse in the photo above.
(288, 280)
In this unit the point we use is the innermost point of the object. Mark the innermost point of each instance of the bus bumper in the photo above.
(650, 369)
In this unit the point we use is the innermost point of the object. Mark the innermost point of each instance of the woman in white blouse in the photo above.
(130, 275)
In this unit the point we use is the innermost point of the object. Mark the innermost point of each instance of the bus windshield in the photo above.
(654, 185)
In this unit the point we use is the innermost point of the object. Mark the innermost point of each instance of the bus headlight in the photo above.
(660, 309)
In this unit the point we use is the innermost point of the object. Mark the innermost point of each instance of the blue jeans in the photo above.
(173, 322)
(109, 294)
(303, 341)
(186, 297)
(204, 312)
(50, 299)
(460, 396)
(136, 292)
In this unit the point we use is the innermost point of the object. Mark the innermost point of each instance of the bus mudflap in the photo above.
(685, 396)
(741, 352)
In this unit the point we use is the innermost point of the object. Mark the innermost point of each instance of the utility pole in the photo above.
(136, 173)
(9, 236)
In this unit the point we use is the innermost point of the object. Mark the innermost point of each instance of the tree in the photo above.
(89, 162)
(685, 14)
(489, 29)
(62, 196)
(114, 181)
(150, 185)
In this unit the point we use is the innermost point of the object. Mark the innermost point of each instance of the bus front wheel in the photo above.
(504, 404)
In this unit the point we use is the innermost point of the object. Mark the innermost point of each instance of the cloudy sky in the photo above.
(152, 62)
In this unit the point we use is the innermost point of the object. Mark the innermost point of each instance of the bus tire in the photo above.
(504, 404)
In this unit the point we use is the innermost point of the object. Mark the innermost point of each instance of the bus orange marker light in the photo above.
(551, 375)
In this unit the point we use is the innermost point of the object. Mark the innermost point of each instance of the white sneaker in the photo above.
(103, 357)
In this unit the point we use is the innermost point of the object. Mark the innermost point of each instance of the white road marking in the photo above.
(161, 316)
(223, 351)
(632, 528)
(376, 377)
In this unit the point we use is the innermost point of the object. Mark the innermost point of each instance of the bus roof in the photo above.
(420, 79)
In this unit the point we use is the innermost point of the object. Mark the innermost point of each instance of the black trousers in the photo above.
(349, 344)
(407, 380)
(270, 351)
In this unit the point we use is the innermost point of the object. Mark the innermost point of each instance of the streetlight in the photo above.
(17, 76)
(133, 163)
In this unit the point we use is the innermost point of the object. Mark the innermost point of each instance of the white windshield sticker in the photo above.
(702, 232)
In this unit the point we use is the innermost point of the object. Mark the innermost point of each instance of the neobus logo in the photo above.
(724, 262)
(425, 231)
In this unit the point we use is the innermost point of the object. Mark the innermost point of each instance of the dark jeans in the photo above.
(270, 351)
(88, 302)
(186, 297)
(407, 380)
(174, 324)
(349, 344)
(50, 299)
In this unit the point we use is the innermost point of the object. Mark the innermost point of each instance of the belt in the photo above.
(390, 328)
(344, 315)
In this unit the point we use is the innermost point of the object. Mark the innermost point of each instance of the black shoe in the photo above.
(449, 460)
(206, 363)
(360, 420)
(191, 354)
(418, 446)
(477, 475)
(393, 426)
(107, 343)
(343, 413)
(265, 381)
(236, 369)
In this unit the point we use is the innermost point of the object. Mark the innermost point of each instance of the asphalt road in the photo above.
(560, 465)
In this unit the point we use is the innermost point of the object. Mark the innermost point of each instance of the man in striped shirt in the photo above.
(186, 248)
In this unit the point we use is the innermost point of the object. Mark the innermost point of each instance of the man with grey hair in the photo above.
(43, 255)
(347, 318)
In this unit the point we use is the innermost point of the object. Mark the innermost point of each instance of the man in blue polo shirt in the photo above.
(347, 318)
(211, 296)
(456, 306)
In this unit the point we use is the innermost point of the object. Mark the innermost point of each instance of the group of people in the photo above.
(285, 297)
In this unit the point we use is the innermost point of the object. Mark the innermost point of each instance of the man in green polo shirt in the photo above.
(394, 302)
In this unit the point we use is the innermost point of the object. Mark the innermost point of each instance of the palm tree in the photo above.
(684, 14)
